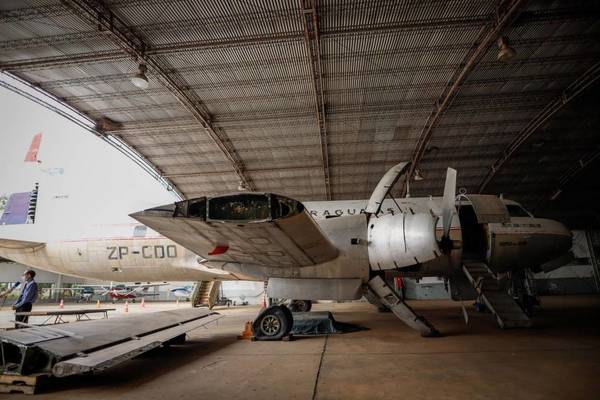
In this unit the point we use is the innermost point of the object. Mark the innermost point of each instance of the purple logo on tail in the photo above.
(19, 208)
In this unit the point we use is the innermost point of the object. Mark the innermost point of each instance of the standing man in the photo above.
(28, 296)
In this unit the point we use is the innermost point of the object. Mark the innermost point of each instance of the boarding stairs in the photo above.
(378, 292)
(503, 306)
(205, 294)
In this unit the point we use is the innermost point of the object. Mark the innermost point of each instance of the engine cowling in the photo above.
(402, 240)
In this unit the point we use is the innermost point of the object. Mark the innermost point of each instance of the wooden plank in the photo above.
(15, 379)
(25, 389)
(14, 383)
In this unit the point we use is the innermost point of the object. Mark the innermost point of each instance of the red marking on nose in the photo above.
(218, 250)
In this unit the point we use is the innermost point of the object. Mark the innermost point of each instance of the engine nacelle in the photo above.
(402, 240)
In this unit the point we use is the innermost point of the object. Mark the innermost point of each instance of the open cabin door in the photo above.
(475, 212)
(488, 208)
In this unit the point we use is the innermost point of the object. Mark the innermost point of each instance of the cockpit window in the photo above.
(515, 210)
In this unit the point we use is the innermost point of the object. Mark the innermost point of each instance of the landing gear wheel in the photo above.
(434, 333)
(300, 305)
(273, 323)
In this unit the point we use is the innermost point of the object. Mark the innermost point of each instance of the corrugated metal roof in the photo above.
(246, 67)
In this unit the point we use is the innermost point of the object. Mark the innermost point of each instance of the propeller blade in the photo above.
(384, 186)
(449, 200)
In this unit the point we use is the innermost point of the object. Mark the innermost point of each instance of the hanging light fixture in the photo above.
(140, 79)
(418, 175)
(505, 52)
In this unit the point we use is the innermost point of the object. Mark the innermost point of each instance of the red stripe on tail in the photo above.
(34, 148)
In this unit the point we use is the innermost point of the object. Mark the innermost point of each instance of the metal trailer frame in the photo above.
(80, 315)
(94, 345)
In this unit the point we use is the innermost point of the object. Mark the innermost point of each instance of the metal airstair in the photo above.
(378, 292)
(205, 294)
(505, 309)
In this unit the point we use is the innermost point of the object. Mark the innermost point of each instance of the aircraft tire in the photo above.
(273, 323)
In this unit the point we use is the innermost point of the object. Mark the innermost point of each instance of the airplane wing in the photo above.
(146, 285)
(255, 228)
(9, 244)
(143, 288)
(103, 287)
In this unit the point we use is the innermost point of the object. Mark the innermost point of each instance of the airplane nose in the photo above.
(566, 232)
(559, 237)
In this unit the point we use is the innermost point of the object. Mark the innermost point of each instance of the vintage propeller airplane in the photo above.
(329, 250)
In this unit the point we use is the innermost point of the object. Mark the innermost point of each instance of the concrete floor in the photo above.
(559, 358)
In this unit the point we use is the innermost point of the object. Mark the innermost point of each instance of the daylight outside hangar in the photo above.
(267, 119)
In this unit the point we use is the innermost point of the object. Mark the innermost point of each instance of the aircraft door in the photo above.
(476, 212)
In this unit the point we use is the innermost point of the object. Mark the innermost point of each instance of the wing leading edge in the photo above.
(253, 228)
(10, 244)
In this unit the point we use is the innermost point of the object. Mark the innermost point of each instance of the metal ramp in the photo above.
(94, 345)
(205, 294)
(379, 292)
(505, 309)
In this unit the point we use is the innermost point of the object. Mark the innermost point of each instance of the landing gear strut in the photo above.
(300, 305)
(273, 323)
(379, 292)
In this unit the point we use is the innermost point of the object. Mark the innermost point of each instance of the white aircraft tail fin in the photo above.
(19, 208)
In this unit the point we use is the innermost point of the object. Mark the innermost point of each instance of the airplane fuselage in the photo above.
(522, 242)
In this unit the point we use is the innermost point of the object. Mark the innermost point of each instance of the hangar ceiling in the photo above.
(316, 99)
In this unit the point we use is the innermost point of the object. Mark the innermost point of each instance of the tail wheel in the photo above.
(300, 305)
(273, 323)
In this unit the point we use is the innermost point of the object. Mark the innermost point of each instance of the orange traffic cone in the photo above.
(248, 333)
(62, 303)
(143, 304)
(97, 303)
(126, 309)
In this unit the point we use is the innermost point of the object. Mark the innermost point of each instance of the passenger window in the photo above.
(516, 210)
